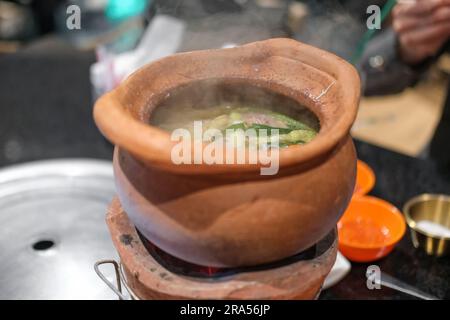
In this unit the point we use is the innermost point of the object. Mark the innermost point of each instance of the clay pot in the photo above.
(230, 215)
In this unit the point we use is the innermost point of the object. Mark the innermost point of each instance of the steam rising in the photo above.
(333, 25)
(215, 23)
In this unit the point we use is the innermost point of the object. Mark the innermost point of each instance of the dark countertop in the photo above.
(399, 178)
(46, 110)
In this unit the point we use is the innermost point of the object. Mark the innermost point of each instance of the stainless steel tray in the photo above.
(52, 229)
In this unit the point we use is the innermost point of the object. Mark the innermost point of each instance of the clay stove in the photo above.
(147, 272)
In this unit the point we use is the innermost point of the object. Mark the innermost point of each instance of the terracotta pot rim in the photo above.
(153, 144)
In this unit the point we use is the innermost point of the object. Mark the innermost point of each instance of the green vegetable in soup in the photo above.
(287, 136)
(295, 132)
(291, 123)
(298, 136)
(225, 117)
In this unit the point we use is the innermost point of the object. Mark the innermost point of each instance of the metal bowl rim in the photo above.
(421, 198)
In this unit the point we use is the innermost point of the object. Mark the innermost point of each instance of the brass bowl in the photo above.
(433, 208)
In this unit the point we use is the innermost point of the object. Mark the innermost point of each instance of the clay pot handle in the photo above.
(110, 116)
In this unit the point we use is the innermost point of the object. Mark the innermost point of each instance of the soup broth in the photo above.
(240, 109)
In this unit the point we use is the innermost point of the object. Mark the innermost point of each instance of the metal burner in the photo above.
(185, 268)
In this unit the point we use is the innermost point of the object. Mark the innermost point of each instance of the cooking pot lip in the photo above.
(153, 145)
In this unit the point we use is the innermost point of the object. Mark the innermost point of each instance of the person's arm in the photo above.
(396, 58)
(383, 71)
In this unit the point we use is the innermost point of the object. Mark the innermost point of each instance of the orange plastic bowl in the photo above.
(369, 229)
(365, 179)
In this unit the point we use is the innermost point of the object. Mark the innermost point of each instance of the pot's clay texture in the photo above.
(230, 215)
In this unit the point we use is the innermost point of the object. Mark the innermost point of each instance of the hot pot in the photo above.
(228, 215)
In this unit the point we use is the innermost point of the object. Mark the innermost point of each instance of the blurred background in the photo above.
(50, 74)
